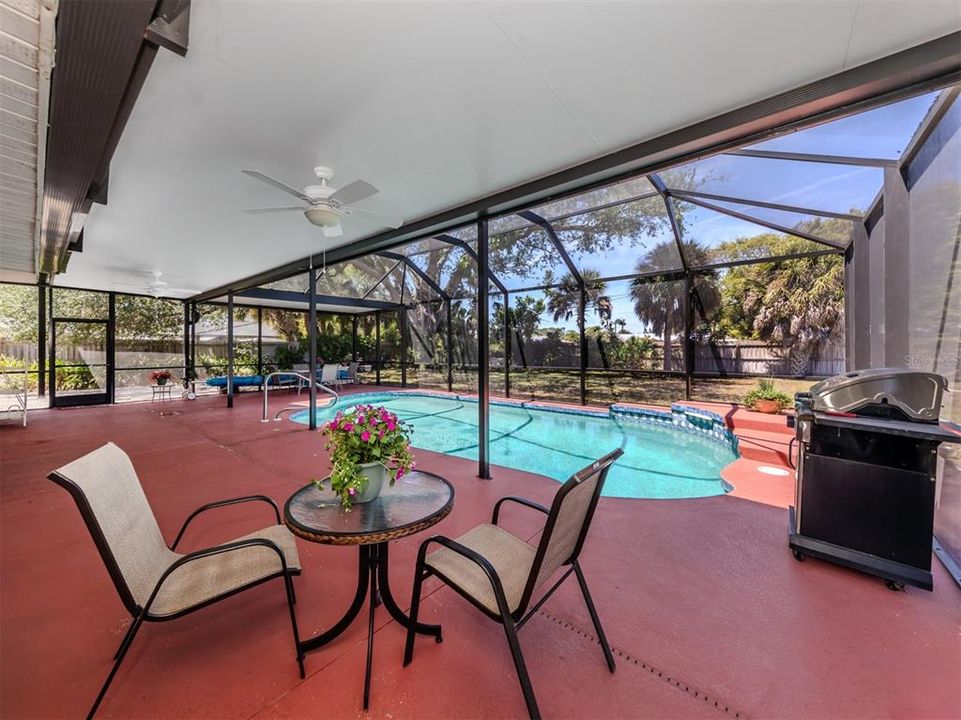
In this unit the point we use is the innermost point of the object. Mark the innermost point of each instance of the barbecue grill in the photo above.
(867, 472)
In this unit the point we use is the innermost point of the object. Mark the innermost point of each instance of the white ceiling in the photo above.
(434, 103)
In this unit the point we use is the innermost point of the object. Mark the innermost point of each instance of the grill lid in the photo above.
(885, 392)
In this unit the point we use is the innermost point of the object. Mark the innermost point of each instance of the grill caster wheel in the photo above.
(798, 555)
(894, 585)
(439, 639)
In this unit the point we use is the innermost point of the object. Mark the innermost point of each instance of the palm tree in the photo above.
(564, 300)
(659, 301)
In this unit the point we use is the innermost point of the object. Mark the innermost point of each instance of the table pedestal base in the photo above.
(372, 582)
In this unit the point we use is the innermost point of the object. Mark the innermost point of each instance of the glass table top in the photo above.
(415, 502)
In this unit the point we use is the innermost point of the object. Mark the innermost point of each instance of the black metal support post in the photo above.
(450, 349)
(42, 340)
(353, 338)
(186, 340)
(402, 316)
(193, 339)
(582, 332)
(689, 348)
(260, 340)
(111, 347)
(230, 349)
(377, 347)
(312, 342)
(507, 345)
(483, 351)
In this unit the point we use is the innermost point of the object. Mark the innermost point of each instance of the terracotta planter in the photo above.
(377, 478)
(771, 407)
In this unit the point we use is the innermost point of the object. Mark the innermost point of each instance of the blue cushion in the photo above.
(239, 381)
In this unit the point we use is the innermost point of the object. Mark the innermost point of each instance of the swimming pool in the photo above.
(667, 454)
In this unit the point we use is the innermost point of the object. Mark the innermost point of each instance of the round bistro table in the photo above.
(416, 502)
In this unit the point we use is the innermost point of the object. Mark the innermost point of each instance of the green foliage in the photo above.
(524, 316)
(564, 301)
(765, 390)
(365, 434)
(795, 304)
(660, 301)
(13, 363)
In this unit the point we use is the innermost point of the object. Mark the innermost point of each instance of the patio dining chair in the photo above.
(352, 373)
(154, 581)
(328, 375)
(499, 572)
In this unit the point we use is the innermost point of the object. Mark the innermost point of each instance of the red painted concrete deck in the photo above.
(706, 608)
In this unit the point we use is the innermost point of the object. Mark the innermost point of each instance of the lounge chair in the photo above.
(498, 572)
(154, 581)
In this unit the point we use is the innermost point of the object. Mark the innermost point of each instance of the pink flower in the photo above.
(360, 420)
(333, 424)
(365, 436)
(351, 492)
(381, 433)
(348, 426)
(400, 473)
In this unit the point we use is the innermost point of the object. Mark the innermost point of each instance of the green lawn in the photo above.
(603, 388)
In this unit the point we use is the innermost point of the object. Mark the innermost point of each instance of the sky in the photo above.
(880, 133)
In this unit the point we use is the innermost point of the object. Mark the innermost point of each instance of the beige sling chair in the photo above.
(155, 582)
(499, 572)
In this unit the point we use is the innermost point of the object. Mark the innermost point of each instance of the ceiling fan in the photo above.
(157, 287)
(324, 205)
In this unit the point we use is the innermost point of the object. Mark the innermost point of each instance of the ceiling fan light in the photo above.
(322, 216)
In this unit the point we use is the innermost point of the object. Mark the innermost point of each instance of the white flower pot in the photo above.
(377, 477)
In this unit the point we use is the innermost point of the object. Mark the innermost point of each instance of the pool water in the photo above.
(658, 461)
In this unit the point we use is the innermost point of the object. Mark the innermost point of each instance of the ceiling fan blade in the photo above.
(264, 211)
(387, 220)
(332, 230)
(277, 184)
(354, 192)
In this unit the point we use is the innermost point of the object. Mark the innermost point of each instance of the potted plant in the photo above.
(368, 447)
(160, 377)
(766, 398)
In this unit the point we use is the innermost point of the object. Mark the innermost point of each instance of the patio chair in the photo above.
(328, 375)
(499, 572)
(352, 373)
(154, 581)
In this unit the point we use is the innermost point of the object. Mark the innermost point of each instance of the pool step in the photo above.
(763, 446)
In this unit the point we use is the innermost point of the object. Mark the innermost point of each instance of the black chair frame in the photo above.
(514, 621)
(142, 614)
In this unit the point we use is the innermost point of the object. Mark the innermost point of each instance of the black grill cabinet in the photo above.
(866, 478)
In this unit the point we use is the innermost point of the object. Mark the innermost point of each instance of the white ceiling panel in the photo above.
(434, 103)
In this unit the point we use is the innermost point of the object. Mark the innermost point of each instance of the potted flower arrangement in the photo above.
(368, 447)
(766, 398)
(160, 377)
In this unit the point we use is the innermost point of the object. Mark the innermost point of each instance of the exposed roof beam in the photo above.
(470, 251)
(766, 259)
(665, 194)
(294, 296)
(549, 229)
(814, 158)
(759, 203)
(382, 278)
(764, 223)
(417, 271)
